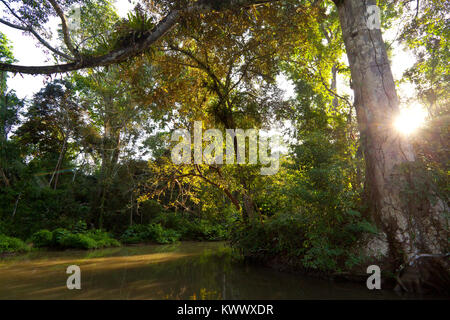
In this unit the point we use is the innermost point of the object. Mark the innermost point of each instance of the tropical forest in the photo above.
(224, 149)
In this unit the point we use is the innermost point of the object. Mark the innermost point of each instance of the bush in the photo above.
(282, 234)
(302, 237)
(77, 241)
(80, 227)
(10, 244)
(2, 227)
(161, 235)
(204, 230)
(64, 239)
(58, 235)
(134, 234)
(42, 238)
(103, 239)
(251, 241)
(193, 228)
(153, 232)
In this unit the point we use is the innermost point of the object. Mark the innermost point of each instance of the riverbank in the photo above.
(290, 265)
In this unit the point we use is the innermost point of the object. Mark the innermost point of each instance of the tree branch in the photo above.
(126, 52)
(28, 28)
(65, 29)
(12, 25)
(224, 189)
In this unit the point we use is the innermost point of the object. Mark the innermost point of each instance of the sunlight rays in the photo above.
(410, 119)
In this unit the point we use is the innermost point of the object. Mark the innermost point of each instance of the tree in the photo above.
(231, 83)
(10, 106)
(50, 131)
(37, 12)
(412, 228)
(113, 121)
(426, 33)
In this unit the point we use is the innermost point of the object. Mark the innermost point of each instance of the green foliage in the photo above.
(40, 207)
(282, 234)
(10, 244)
(278, 235)
(42, 238)
(63, 239)
(303, 239)
(312, 205)
(161, 235)
(58, 235)
(134, 234)
(77, 241)
(6, 55)
(427, 34)
(205, 230)
(153, 232)
(133, 29)
(194, 228)
(102, 239)
(80, 227)
(97, 19)
(139, 20)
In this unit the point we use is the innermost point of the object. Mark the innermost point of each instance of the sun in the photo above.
(410, 119)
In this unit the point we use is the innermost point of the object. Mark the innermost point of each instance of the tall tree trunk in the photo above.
(249, 210)
(333, 87)
(105, 179)
(411, 229)
(15, 205)
(58, 164)
(4, 177)
(110, 157)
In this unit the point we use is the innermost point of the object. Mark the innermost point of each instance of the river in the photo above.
(185, 270)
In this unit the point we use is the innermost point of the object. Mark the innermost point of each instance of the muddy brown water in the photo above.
(185, 270)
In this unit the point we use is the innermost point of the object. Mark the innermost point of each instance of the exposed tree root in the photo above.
(426, 274)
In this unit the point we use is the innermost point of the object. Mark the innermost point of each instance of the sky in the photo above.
(27, 53)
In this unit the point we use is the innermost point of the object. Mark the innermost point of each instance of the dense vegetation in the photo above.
(86, 162)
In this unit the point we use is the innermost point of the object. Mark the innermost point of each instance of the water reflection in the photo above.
(188, 270)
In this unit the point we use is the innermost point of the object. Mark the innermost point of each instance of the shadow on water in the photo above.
(187, 270)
